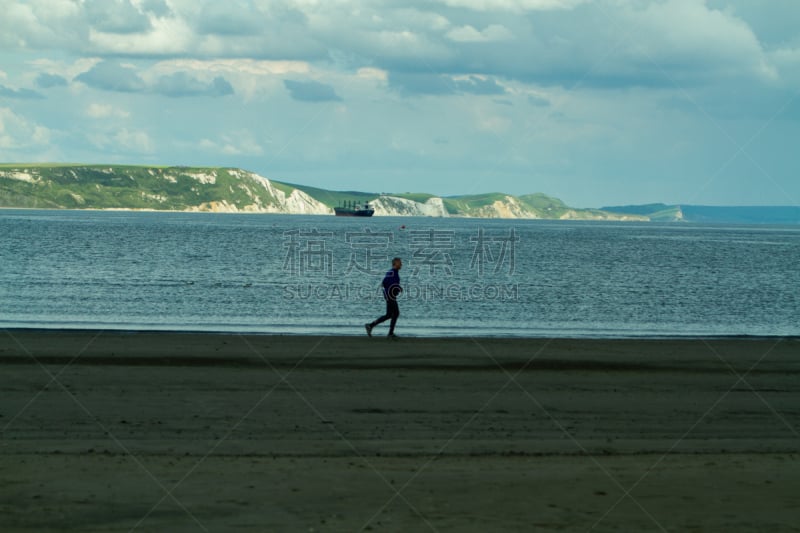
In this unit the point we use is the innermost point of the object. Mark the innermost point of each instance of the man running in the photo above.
(391, 290)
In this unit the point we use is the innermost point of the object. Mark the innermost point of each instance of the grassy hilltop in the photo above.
(127, 187)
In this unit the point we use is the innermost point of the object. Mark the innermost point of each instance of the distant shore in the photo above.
(790, 215)
(173, 431)
(331, 214)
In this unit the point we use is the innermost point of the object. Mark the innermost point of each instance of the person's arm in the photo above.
(387, 281)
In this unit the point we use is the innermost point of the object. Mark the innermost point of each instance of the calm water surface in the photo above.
(319, 274)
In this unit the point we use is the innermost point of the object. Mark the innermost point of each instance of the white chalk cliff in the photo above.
(396, 206)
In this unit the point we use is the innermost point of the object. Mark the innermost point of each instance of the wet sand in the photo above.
(194, 432)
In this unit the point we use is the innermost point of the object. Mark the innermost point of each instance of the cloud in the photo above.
(17, 132)
(687, 39)
(229, 18)
(123, 141)
(169, 36)
(468, 34)
(479, 85)
(442, 84)
(133, 141)
(104, 111)
(116, 16)
(513, 5)
(236, 143)
(66, 69)
(248, 66)
(613, 45)
(21, 94)
(159, 8)
(220, 87)
(775, 24)
(110, 76)
(183, 84)
(425, 83)
(538, 101)
(41, 24)
(619, 43)
(372, 73)
(494, 124)
(48, 81)
(311, 91)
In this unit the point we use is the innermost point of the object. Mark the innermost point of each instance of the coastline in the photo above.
(356, 331)
(245, 212)
(183, 431)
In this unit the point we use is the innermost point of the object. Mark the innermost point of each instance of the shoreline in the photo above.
(624, 220)
(357, 333)
(792, 224)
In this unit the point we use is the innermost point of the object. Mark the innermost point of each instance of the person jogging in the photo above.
(391, 290)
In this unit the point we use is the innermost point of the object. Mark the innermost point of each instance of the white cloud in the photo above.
(419, 20)
(468, 34)
(123, 141)
(168, 36)
(40, 23)
(787, 63)
(685, 35)
(700, 40)
(233, 66)
(240, 142)
(249, 77)
(513, 5)
(134, 141)
(103, 111)
(403, 44)
(67, 70)
(372, 73)
(17, 132)
(485, 120)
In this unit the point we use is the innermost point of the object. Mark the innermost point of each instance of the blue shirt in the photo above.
(391, 284)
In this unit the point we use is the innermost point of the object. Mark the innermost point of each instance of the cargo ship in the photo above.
(354, 209)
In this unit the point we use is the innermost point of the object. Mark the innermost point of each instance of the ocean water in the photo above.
(320, 274)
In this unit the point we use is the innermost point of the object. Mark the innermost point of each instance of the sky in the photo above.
(598, 103)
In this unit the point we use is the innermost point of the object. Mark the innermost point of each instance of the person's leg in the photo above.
(394, 311)
(385, 317)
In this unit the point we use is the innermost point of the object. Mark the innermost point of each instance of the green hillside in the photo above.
(457, 205)
(127, 187)
(329, 198)
(547, 205)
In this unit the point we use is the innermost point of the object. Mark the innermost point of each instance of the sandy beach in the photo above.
(109, 431)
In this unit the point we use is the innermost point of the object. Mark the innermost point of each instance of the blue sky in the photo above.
(596, 102)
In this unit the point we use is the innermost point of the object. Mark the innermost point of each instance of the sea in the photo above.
(297, 274)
